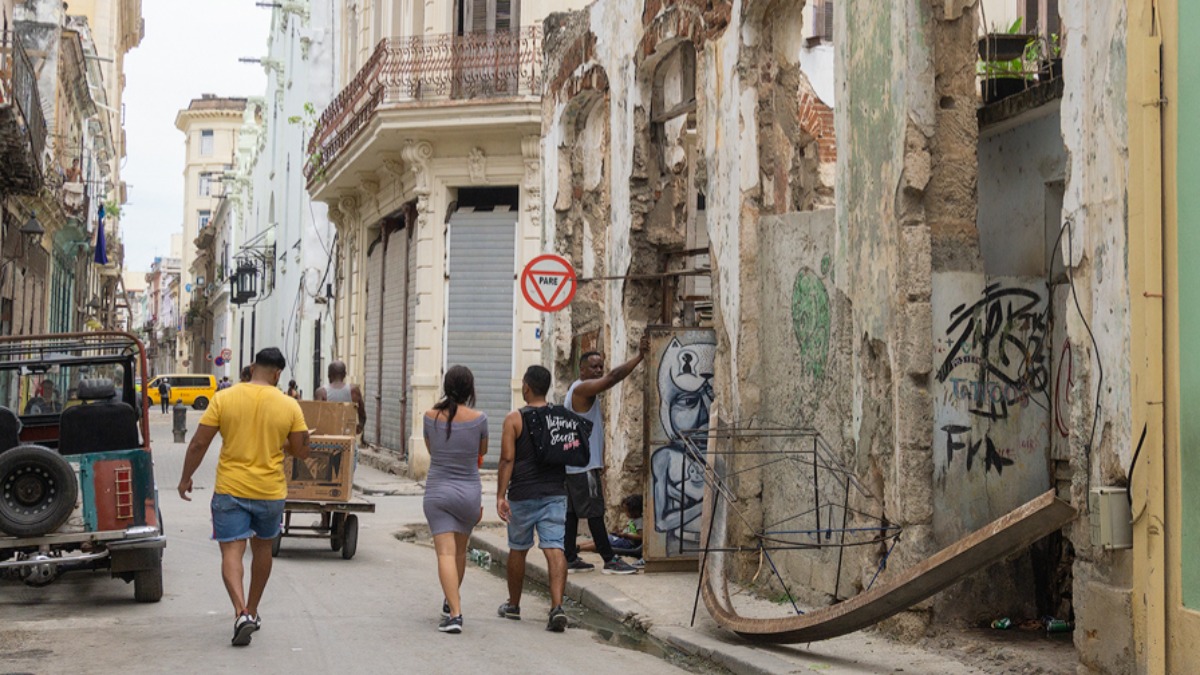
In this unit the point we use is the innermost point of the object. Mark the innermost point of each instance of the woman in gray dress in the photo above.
(456, 436)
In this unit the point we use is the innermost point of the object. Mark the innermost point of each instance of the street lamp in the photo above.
(243, 285)
(32, 231)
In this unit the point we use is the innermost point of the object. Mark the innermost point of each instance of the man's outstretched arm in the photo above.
(589, 389)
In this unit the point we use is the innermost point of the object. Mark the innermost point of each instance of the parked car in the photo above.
(77, 488)
(194, 390)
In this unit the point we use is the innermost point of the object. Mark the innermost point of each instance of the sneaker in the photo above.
(558, 620)
(243, 627)
(578, 565)
(639, 564)
(451, 624)
(508, 611)
(618, 566)
(445, 609)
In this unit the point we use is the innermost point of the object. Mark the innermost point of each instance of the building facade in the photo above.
(210, 125)
(431, 171)
(993, 309)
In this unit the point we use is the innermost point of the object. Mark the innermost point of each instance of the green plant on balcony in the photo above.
(1004, 77)
(308, 122)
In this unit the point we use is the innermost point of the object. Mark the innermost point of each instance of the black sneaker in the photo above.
(578, 565)
(508, 611)
(445, 609)
(451, 624)
(558, 620)
(618, 566)
(243, 627)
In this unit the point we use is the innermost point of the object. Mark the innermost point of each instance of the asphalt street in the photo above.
(321, 614)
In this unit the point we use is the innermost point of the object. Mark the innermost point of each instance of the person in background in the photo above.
(256, 422)
(627, 540)
(340, 391)
(164, 394)
(245, 375)
(293, 391)
(224, 384)
(457, 437)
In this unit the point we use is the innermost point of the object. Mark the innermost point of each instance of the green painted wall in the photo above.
(1188, 182)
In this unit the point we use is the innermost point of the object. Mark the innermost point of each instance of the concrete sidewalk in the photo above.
(661, 605)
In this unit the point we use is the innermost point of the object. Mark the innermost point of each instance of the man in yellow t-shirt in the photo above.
(257, 423)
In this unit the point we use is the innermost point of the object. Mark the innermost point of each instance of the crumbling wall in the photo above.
(1102, 439)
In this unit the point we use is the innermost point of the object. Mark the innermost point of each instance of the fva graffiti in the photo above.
(995, 364)
(684, 393)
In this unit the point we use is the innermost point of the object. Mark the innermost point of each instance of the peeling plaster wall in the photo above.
(1095, 133)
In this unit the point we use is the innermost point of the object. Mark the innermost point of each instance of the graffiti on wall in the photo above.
(993, 391)
(680, 397)
(811, 319)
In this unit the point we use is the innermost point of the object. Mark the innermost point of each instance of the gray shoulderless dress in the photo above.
(453, 493)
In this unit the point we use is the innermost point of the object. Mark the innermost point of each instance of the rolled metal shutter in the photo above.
(480, 317)
(371, 372)
(393, 358)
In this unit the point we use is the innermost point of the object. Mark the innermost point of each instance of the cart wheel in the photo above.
(336, 526)
(148, 583)
(275, 544)
(350, 537)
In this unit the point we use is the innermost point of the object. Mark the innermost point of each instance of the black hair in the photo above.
(538, 379)
(633, 505)
(458, 387)
(246, 374)
(337, 371)
(583, 358)
(270, 357)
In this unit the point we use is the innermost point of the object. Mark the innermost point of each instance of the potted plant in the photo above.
(1005, 46)
(1049, 56)
(1004, 70)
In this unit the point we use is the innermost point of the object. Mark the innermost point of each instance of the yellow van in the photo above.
(194, 390)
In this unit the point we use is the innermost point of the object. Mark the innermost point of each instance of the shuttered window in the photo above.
(489, 16)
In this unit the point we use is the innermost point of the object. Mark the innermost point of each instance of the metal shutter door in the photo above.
(371, 338)
(479, 333)
(393, 358)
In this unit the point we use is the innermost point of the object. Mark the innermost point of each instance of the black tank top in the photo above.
(532, 479)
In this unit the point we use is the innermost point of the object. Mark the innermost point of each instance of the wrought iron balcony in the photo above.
(22, 123)
(409, 71)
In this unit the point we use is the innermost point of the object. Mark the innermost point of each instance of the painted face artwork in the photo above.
(685, 387)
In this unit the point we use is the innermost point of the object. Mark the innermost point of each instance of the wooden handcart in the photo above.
(339, 523)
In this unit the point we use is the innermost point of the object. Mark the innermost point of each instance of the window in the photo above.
(488, 16)
(205, 216)
(1041, 17)
(205, 184)
(206, 142)
(822, 22)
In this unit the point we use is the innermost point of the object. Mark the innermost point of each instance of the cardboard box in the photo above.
(328, 473)
(330, 419)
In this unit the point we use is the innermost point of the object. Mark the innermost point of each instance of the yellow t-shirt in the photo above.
(255, 421)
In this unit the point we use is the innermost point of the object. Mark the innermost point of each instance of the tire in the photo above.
(336, 527)
(148, 584)
(349, 537)
(275, 544)
(200, 403)
(38, 490)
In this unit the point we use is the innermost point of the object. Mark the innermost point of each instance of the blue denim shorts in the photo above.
(547, 515)
(235, 518)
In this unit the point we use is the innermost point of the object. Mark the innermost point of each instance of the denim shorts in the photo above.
(548, 515)
(235, 518)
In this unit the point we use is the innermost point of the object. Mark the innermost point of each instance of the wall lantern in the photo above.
(243, 285)
(32, 231)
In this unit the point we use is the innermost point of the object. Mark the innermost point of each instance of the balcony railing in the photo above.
(21, 118)
(403, 71)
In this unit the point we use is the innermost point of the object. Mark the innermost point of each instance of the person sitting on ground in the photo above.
(628, 541)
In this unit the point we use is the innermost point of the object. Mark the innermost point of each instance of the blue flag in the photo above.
(101, 244)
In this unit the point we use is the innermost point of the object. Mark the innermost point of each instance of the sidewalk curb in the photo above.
(615, 605)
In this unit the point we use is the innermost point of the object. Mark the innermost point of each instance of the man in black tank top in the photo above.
(532, 496)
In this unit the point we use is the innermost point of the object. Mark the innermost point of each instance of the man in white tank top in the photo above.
(341, 391)
(585, 490)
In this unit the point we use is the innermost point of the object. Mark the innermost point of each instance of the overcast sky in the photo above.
(190, 48)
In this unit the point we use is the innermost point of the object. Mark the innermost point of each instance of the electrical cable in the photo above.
(1069, 267)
